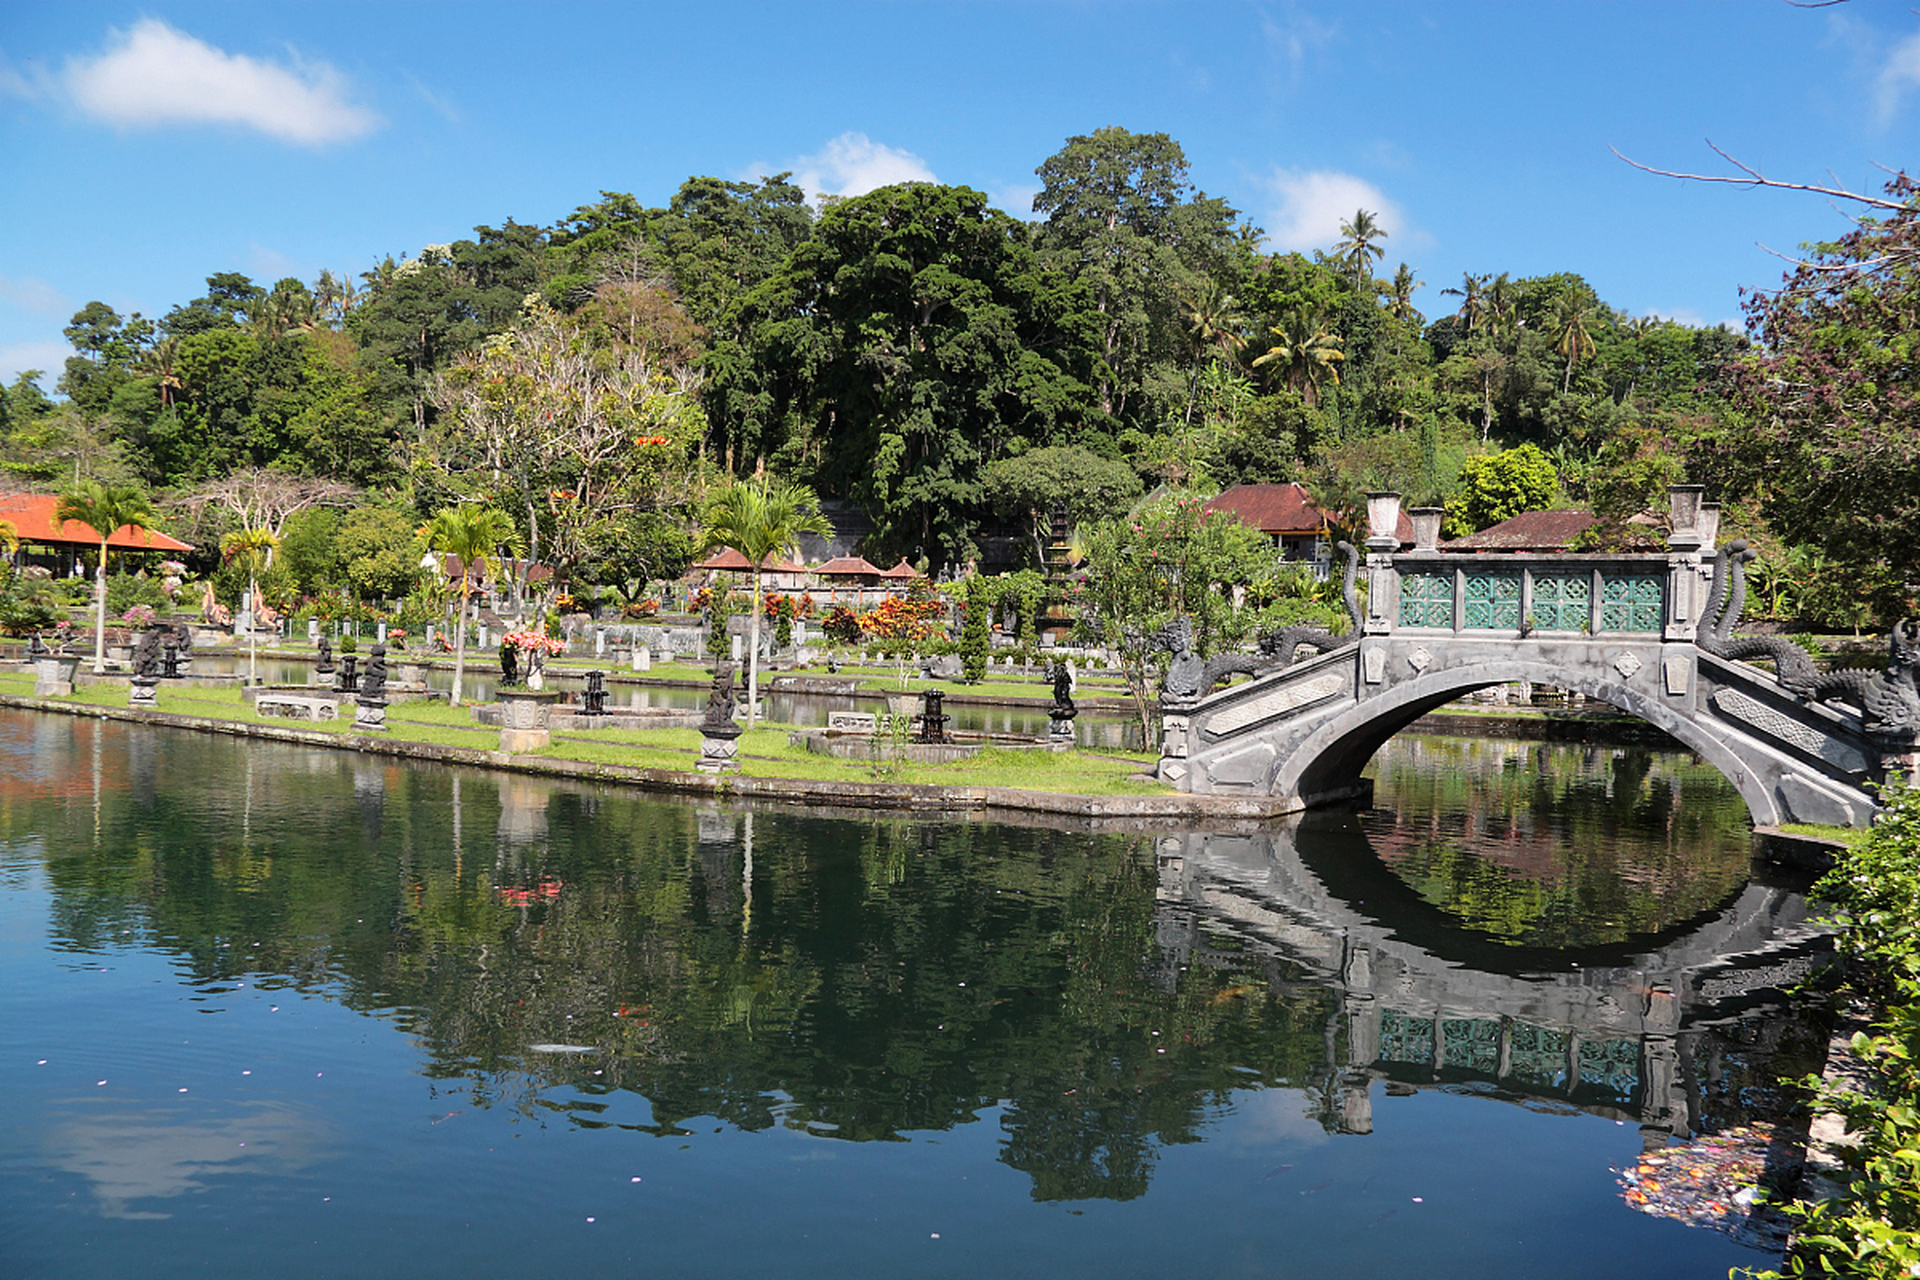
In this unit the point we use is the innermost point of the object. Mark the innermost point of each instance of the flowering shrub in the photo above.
(533, 642)
(140, 615)
(396, 638)
(898, 619)
(641, 608)
(842, 625)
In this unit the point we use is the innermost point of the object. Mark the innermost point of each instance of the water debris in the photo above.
(1274, 1173)
(562, 1048)
(1711, 1182)
(1321, 1185)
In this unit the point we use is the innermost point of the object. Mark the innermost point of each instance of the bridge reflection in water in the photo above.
(1634, 1030)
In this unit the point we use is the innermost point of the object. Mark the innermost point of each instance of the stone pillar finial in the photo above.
(1426, 527)
(1709, 525)
(1383, 518)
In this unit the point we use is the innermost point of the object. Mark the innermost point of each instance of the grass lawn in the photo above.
(764, 751)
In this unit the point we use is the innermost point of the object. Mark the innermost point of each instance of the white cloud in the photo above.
(47, 356)
(854, 164)
(1898, 73)
(1309, 206)
(33, 295)
(154, 75)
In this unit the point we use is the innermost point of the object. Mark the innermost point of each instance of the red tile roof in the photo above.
(1287, 509)
(728, 558)
(848, 567)
(1272, 508)
(1528, 531)
(902, 571)
(31, 515)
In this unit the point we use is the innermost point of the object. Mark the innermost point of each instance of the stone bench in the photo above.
(294, 707)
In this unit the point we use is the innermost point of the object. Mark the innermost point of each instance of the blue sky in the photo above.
(148, 146)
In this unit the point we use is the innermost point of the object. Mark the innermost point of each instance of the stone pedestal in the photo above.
(1174, 723)
(140, 691)
(370, 715)
(719, 749)
(525, 719)
(642, 658)
(53, 675)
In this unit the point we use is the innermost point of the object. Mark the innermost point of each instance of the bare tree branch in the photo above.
(1754, 178)
(260, 498)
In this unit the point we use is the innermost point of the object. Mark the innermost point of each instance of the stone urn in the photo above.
(526, 717)
(53, 674)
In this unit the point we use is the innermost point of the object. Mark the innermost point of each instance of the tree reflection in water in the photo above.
(864, 977)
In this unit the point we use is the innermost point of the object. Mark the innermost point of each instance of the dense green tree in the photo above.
(906, 310)
(1118, 207)
(378, 550)
(1033, 485)
(1499, 486)
(414, 318)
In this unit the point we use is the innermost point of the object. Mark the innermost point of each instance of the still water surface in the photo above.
(305, 1013)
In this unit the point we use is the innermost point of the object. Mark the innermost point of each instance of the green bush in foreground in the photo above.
(1873, 1229)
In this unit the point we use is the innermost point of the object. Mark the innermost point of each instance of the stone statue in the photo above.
(509, 665)
(1063, 685)
(720, 700)
(146, 655)
(36, 647)
(1184, 668)
(373, 682)
(325, 665)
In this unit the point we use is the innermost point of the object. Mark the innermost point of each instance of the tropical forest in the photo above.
(955, 372)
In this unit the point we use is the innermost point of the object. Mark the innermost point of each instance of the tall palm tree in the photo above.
(1305, 351)
(157, 362)
(1401, 295)
(760, 518)
(1357, 248)
(1217, 326)
(256, 547)
(105, 509)
(1571, 337)
(1501, 304)
(1473, 302)
(475, 535)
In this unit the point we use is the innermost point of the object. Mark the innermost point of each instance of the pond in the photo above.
(310, 1013)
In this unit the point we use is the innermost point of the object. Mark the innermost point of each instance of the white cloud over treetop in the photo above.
(1308, 207)
(153, 75)
(854, 164)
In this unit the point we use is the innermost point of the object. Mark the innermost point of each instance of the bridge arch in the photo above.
(1327, 761)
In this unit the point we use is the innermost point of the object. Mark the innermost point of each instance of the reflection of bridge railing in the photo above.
(1612, 1038)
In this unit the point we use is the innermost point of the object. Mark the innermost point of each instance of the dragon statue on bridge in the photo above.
(1887, 699)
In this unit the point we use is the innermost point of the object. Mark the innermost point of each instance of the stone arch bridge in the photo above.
(1646, 634)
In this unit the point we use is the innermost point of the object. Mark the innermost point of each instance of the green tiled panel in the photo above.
(1562, 601)
(1405, 1039)
(1426, 600)
(1472, 1044)
(1493, 599)
(1632, 602)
